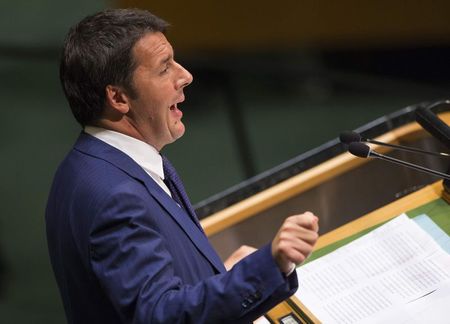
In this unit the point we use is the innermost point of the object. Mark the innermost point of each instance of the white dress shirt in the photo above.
(145, 155)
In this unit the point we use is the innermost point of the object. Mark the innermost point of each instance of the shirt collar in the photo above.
(142, 153)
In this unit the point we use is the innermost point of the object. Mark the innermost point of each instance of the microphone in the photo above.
(348, 137)
(364, 151)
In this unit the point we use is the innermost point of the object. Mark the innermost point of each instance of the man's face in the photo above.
(158, 82)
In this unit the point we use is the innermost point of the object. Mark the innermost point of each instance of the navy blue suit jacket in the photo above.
(124, 252)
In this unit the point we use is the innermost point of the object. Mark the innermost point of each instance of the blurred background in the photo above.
(272, 80)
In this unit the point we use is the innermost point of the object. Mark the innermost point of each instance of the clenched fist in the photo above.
(295, 240)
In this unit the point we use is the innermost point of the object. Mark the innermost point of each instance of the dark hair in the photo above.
(97, 52)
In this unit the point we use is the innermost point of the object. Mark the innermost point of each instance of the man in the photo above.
(124, 242)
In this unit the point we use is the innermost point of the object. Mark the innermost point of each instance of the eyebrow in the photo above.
(165, 59)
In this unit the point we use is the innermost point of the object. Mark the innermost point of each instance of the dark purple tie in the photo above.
(173, 182)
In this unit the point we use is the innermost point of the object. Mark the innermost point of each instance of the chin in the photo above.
(178, 133)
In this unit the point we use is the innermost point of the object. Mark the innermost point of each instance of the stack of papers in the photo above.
(396, 273)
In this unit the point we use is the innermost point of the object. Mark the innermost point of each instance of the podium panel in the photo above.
(338, 190)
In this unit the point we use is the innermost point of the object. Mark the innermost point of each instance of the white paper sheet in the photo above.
(390, 266)
(431, 308)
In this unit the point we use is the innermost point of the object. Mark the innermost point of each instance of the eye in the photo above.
(165, 69)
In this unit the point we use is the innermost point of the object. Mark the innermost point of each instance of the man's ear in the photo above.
(117, 99)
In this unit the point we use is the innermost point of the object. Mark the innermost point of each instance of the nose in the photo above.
(185, 78)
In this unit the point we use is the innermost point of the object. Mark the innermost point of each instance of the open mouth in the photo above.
(177, 112)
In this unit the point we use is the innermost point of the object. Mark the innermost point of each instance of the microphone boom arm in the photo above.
(409, 149)
(408, 164)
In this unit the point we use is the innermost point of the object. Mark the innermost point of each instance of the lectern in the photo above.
(349, 194)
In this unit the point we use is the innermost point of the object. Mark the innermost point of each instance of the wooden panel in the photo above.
(203, 24)
(304, 181)
(396, 208)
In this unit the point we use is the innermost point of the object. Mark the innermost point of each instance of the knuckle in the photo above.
(315, 236)
(287, 227)
(300, 258)
(283, 236)
(283, 247)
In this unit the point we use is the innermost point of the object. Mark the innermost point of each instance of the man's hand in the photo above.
(238, 255)
(295, 240)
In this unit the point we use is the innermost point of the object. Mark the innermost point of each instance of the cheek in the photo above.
(152, 109)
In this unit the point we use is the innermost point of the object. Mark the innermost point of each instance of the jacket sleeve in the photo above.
(129, 259)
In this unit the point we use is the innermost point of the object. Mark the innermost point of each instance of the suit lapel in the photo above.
(184, 220)
(95, 147)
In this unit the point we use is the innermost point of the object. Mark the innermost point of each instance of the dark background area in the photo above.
(271, 81)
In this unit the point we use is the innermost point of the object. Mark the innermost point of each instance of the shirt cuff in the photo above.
(291, 270)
